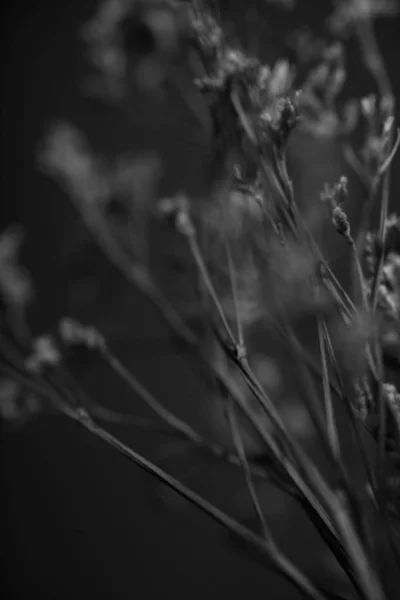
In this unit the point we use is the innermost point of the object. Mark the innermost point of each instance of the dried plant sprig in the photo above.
(339, 515)
(275, 557)
(298, 482)
(254, 109)
(241, 452)
(145, 284)
(45, 355)
(265, 547)
(335, 196)
(332, 432)
(318, 103)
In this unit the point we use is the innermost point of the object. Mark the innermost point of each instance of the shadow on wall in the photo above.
(79, 522)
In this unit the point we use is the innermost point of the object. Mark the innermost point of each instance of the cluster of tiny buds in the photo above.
(45, 356)
(393, 399)
(335, 196)
(286, 121)
(73, 333)
(363, 397)
(177, 210)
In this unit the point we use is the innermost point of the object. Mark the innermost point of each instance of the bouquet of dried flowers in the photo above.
(253, 258)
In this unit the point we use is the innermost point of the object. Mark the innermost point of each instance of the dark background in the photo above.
(78, 521)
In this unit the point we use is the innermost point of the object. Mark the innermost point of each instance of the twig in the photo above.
(330, 415)
(232, 276)
(198, 258)
(238, 443)
(275, 558)
(266, 547)
(172, 421)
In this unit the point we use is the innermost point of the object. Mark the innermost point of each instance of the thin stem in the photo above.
(313, 405)
(360, 277)
(238, 443)
(238, 357)
(268, 549)
(144, 283)
(275, 558)
(376, 65)
(170, 419)
(150, 400)
(233, 280)
(249, 376)
(343, 298)
(382, 415)
(198, 258)
(369, 584)
(373, 60)
(310, 503)
(330, 414)
(356, 501)
(386, 164)
(357, 166)
(350, 410)
(381, 236)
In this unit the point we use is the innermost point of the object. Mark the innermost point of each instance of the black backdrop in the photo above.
(78, 521)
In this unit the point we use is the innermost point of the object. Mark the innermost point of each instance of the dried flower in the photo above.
(363, 400)
(389, 286)
(378, 136)
(45, 355)
(74, 333)
(105, 191)
(177, 210)
(17, 406)
(348, 12)
(335, 196)
(341, 222)
(207, 37)
(392, 397)
(391, 243)
(67, 157)
(135, 38)
(281, 120)
(319, 94)
(15, 285)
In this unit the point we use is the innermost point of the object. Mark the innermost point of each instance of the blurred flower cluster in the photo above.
(135, 41)
(349, 12)
(388, 293)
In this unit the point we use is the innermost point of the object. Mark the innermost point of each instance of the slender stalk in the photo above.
(238, 443)
(270, 552)
(198, 258)
(339, 510)
(350, 410)
(171, 420)
(381, 237)
(360, 277)
(233, 279)
(386, 164)
(267, 548)
(332, 433)
(312, 505)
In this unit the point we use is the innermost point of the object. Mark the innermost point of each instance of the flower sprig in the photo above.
(335, 196)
